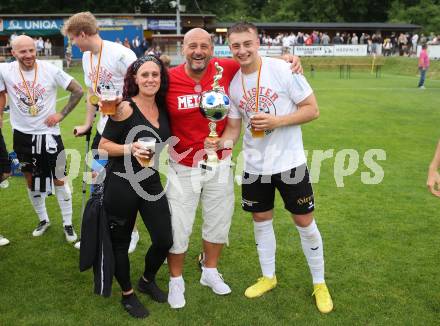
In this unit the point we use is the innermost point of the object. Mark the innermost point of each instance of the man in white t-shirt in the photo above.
(273, 154)
(32, 89)
(105, 64)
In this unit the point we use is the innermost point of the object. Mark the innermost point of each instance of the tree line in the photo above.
(421, 12)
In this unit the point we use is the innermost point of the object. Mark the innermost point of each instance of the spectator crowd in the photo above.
(392, 44)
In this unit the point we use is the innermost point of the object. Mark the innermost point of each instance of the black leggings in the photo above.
(122, 204)
(5, 165)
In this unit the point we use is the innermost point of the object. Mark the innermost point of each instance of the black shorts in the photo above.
(258, 191)
(23, 148)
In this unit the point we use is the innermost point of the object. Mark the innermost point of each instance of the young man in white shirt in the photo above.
(105, 64)
(274, 103)
(32, 88)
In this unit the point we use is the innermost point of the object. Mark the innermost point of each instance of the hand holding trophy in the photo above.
(214, 105)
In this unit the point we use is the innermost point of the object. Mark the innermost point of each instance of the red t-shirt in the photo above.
(186, 121)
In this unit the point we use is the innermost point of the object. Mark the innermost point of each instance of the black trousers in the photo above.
(5, 165)
(122, 204)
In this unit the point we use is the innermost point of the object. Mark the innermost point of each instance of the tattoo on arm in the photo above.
(76, 94)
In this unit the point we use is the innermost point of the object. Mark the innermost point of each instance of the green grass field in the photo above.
(381, 241)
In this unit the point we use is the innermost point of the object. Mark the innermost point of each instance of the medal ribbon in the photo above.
(31, 97)
(257, 95)
(95, 83)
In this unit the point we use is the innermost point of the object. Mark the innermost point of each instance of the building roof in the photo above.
(327, 26)
(115, 15)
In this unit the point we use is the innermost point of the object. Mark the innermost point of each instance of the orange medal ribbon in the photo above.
(33, 109)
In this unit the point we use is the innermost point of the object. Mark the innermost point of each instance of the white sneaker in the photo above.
(41, 228)
(4, 184)
(70, 234)
(176, 290)
(3, 241)
(77, 245)
(214, 280)
(422, 87)
(133, 242)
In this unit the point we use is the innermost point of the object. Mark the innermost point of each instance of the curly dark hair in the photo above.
(132, 89)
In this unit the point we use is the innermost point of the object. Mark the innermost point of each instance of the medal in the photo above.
(33, 110)
(255, 133)
(94, 99)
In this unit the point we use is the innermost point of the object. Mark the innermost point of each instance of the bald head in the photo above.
(198, 34)
(23, 49)
(22, 40)
(197, 50)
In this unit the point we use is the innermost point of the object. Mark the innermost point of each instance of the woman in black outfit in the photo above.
(143, 107)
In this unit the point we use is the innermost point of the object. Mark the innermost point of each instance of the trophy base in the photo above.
(210, 163)
(205, 166)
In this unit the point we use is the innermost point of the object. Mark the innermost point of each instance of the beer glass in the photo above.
(108, 99)
(148, 143)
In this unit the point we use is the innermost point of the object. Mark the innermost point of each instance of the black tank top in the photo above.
(131, 129)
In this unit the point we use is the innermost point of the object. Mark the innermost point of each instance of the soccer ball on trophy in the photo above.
(214, 105)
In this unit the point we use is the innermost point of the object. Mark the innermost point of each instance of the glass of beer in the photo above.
(108, 99)
(148, 143)
(256, 133)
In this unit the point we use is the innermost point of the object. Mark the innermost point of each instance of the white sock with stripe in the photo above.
(64, 198)
(311, 242)
(266, 246)
(38, 201)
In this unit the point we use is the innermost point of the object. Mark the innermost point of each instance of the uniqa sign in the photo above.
(32, 24)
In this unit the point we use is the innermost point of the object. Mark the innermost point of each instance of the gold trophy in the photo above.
(214, 105)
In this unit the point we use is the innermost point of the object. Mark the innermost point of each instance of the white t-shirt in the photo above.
(115, 59)
(280, 149)
(49, 77)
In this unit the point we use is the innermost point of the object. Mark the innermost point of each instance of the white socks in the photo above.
(177, 279)
(64, 198)
(38, 201)
(266, 246)
(210, 270)
(311, 242)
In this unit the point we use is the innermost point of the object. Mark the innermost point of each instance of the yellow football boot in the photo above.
(323, 299)
(263, 285)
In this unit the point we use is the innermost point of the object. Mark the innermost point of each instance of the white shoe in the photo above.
(4, 184)
(176, 297)
(214, 280)
(70, 234)
(3, 241)
(41, 228)
(422, 87)
(77, 245)
(133, 242)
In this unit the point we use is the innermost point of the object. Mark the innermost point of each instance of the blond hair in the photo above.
(81, 22)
